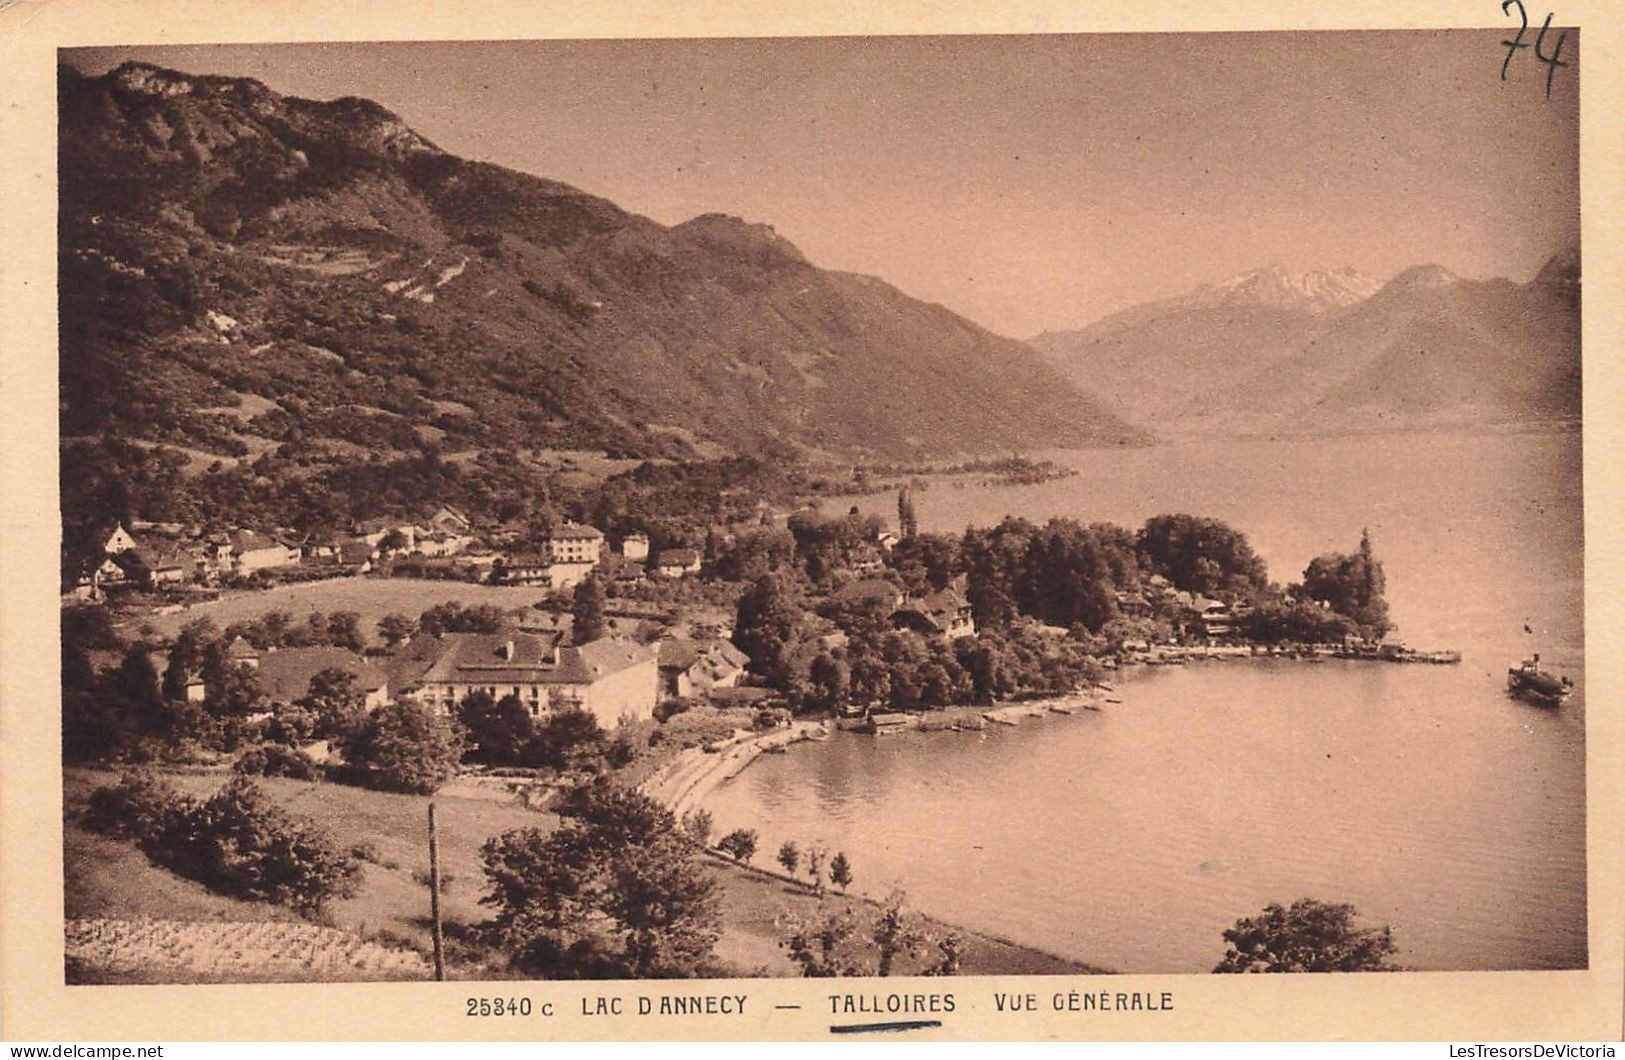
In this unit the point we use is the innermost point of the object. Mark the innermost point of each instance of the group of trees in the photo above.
(1351, 586)
(130, 707)
(449, 617)
(826, 545)
(901, 670)
(277, 629)
(794, 858)
(403, 746)
(617, 891)
(847, 942)
(503, 732)
(1307, 936)
(237, 842)
(1062, 574)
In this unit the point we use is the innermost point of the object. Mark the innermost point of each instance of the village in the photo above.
(667, 630)
(614, 678)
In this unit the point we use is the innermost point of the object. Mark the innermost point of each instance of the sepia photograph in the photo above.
(1066, 504)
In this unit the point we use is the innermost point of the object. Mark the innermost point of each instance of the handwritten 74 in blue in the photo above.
(1552, 61)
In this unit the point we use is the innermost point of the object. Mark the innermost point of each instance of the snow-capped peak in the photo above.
(1317, 291)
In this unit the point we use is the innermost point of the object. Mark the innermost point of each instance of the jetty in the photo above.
(1182, 654)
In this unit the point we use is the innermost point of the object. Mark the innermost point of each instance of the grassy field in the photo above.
(754, 902)
(371, 598)
(108, 879)
(111, 880)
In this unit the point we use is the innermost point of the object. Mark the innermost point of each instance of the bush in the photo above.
(1307, 936)
(700, 726)
(367, 852)
(291, 725)
(740, 844)
(421, 877)
(139, 805)
(242, 844)
(274, 760)
(404, 747)
(697, 825)
(237, 842)
(667, 709)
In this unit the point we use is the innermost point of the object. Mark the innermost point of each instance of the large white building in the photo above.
(615, 680)
(573, 543)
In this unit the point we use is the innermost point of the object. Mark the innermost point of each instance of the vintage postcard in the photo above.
(942, 525)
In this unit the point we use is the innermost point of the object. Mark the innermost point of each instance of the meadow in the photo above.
(371, 598)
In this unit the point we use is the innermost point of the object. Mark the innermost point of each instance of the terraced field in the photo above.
(180, 951)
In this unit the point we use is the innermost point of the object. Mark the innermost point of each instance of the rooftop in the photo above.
(575, 532)
(511, 658)
(286, 673)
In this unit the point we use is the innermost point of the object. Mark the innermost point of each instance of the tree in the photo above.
(740, 844)
(393, 541)
(187, 654)
(395, 628)
(587, 614)
(815, 869)
(840, 871)
(697, 825)
(336, 701)
(1352, 586)
(1309, 936)
(136, 682)
(765, 628)
(229, 689)
(499, 730)
(344, 631)
(567, 740)
(830, 682)
(789, 856)
(908, 523)
(614, 892)
(405, 747)
(893, 936)
(1200, 555)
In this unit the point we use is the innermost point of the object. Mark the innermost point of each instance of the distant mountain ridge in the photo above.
(1270, 351)
(243, 271)
(1317, 291)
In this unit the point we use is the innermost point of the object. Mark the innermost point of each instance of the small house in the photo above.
(635, 547)
(254, 552)
(691, 667)
(677, 562)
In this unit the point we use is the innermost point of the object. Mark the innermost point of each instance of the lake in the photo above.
(1132, 837)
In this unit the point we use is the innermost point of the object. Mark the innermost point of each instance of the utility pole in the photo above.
(434, 900)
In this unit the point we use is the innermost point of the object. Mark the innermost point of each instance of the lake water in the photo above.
(1132, 837)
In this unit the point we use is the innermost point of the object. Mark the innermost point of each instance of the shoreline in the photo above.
(696, 773)
(1008, 956)
(684, 784)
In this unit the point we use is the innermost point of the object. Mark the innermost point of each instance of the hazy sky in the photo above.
(1030, 183)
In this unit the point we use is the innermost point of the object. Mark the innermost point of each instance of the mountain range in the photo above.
(1276, 352)
(243, 271)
